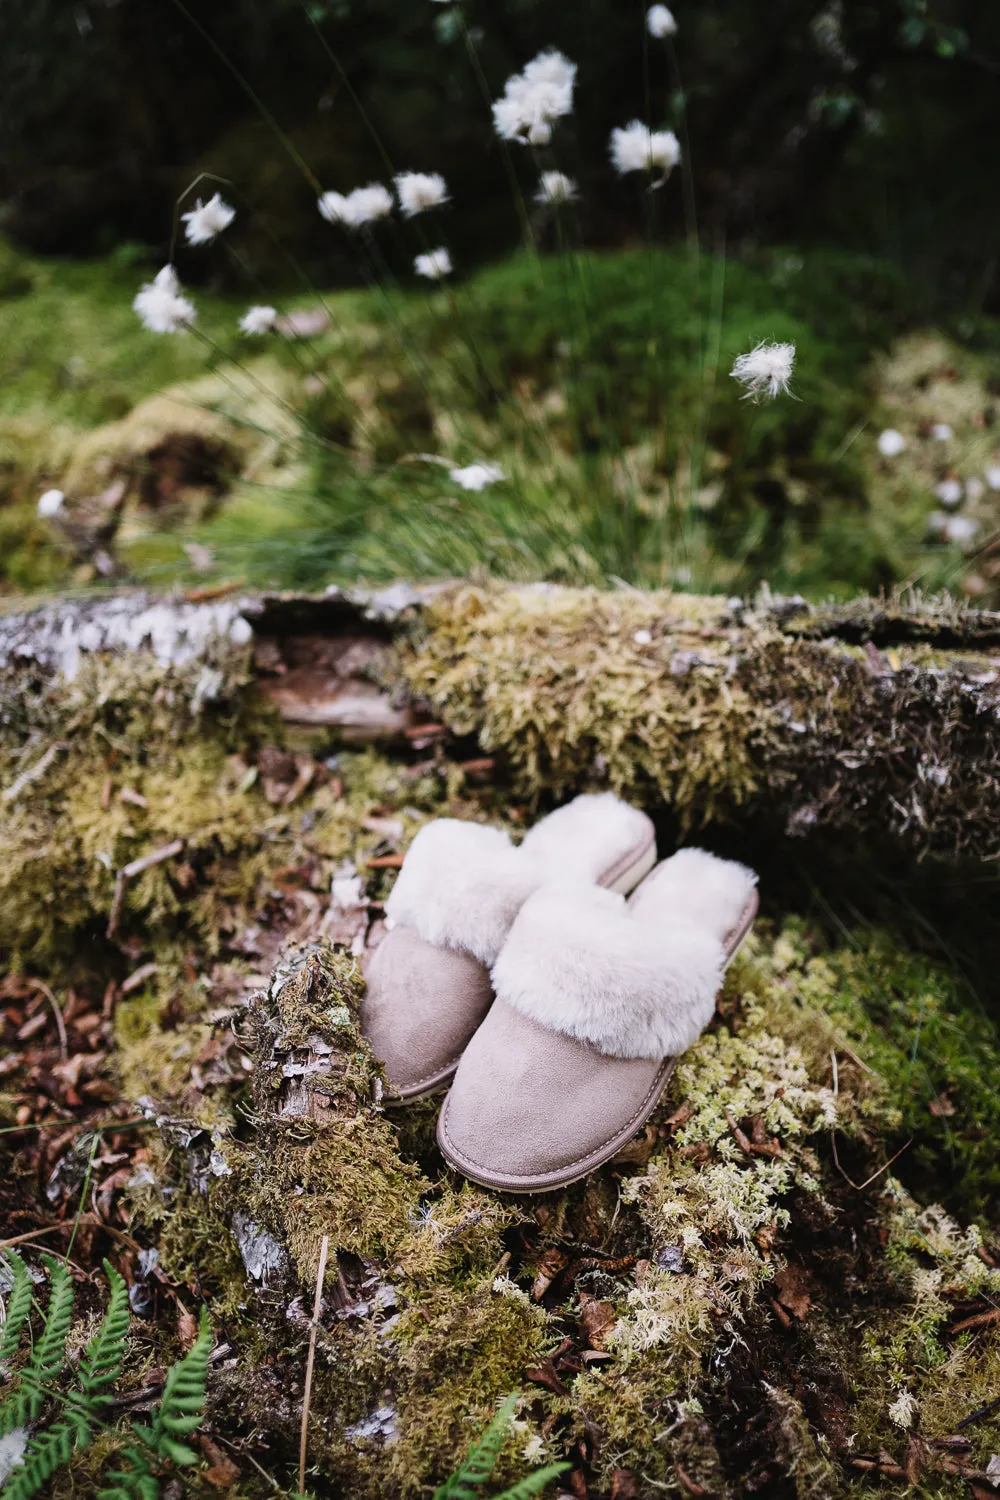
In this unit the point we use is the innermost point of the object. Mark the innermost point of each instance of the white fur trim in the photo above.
(695, 887)
(462, 884)
(577, 961)
(586, 836)
(636, 979)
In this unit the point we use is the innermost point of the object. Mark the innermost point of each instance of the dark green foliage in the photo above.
(48, 1355)
(477, 1467)
(102, 1358)
(81, 1410)
(18, 1308)
(48, 1452)
(178, 1415)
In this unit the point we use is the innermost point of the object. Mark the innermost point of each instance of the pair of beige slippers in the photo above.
(556, 1008)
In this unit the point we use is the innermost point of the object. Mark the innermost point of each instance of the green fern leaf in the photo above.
(102, 1358)
(480, 1461)
(534, 1483)
(49, 1353)
(18, 1307)
(137, 1483)
(46, 1453)
(180, 1412)
(183, 1395)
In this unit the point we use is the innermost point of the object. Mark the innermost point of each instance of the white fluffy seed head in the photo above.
(476, 476)
(660, 22)
(258, 320)
(206, 220)
(636, 148)
(435, 265)
(950, 492)
(766, 370)
(942, 432)
(419, 191)
(354, 210)
(891, 443)
(961, 530)
(160, 306)
(51, 503)
(555, 187)
(333, 207)
(534, 99)
(993, 476)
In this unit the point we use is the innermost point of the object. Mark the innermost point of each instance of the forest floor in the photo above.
(786, 1285)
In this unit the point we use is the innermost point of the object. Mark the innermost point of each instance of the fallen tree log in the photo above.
(877, 719)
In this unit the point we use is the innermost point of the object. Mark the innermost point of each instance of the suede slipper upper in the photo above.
(457, 895)
(595, 998)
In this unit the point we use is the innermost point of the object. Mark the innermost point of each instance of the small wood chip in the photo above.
(688, 1485)
(132, 797)
(137, 979)
(978, 1320)
(385, 862)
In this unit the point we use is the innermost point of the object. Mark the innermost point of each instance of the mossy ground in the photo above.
(600, 385)
(746, 1318)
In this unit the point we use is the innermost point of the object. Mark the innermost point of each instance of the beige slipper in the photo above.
(457, 895)
(595, 999)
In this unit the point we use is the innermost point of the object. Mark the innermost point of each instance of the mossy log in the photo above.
(881, 719)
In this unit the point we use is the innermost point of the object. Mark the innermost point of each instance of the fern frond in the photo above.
(183, 1398)
(46, 1453)
(137, 1483)
(49, 1353)
(534, 1483)
(478, 1464)
(18, 1307)
(102, 1358)
(179, 1413)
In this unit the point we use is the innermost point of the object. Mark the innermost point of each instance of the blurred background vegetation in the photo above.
(840, 189)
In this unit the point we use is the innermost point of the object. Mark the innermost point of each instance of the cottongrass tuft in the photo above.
(765, 371)
(942, 432)
(160, 306)
(476, 476)
(993, 476)
(533, 100)
(51, 503)
(435, 265)
(555, 187)
(355, 210)
(950, 492)
(891, 443)
(419, 191)
(258, 320)
(636, 148)
(660, 22)
(206, 220)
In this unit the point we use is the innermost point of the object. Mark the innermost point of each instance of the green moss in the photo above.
(935, 1046)
(557, 682)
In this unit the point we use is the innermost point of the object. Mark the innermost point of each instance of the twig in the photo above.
(979, 1413)
(139, 866)
(42, 987)
(860, 1186)
(33, 772)
(130, 871)
(324, 1250)
(978, 1320)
